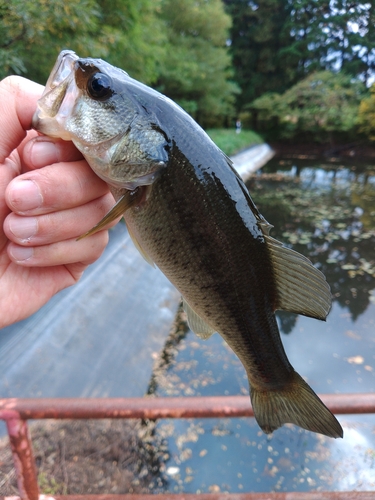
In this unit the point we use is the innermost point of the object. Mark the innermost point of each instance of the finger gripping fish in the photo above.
(189, 213)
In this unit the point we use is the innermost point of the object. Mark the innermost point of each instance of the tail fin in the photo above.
(298, 404)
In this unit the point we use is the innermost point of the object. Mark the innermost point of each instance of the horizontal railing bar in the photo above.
(14, 409)
(312, 495)
(156, 408)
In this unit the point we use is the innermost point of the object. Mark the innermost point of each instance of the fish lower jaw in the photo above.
(49, 126)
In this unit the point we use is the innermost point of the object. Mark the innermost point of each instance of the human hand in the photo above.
(48, 197)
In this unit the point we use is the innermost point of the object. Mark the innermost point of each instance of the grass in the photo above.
(230, 142)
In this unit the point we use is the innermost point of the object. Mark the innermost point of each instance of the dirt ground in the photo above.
(90, 456)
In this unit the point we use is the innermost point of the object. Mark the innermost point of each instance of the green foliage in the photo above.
(185, 48)
(195, 71)
(133, 36)
(32, 32)
(276, 43)
(126, 33)
(320, 106)
(230, 142)
(258, 36)
(350, 39)
(49, 485)
(178, 46)
(366, 115)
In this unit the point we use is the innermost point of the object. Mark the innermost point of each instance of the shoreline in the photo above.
(313, 151)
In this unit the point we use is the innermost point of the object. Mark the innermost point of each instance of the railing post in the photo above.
(23, 458)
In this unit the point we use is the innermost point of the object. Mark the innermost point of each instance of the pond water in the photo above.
(327, 212)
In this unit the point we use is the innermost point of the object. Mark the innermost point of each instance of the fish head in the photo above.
(109, 117)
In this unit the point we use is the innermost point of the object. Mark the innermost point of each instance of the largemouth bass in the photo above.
(190, 214)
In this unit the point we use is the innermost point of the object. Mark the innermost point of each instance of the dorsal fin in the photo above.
(196, 323)
(301, 287)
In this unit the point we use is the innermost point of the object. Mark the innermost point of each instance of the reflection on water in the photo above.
(327, 213)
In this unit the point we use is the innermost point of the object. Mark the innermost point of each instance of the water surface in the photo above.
(327, 212)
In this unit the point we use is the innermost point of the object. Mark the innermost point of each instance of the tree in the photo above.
(196, 70)
(350, 37)
(321, 107)
(335, 34)
(308, 36)
(134, 36)
(366, 115)
(126, 33)
(277, 43)
(257, 38)
(177, 45)
(32, 32)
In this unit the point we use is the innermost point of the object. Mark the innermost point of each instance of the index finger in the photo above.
(18, 98)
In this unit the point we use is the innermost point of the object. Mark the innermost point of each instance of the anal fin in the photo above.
(196, 323)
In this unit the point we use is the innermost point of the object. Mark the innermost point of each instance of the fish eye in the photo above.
(99, 86)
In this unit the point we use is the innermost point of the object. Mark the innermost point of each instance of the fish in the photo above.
(190, 214)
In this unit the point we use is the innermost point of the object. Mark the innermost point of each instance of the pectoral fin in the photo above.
(196, 323)
(127, 200)
(301, 287)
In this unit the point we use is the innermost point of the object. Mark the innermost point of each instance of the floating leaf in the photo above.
(356, 360)
(172, 471)
(348, 267)
(352, 335)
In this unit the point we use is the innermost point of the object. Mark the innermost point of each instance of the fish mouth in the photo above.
(59, 95)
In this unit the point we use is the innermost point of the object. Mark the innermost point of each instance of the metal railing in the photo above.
(15, 412)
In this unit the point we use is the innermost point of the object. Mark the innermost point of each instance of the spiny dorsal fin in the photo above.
(301, 287)
(196, 323)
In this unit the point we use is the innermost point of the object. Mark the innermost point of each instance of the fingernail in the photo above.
(25, 195)
(20, 254)
(43, 153)
(23, 228)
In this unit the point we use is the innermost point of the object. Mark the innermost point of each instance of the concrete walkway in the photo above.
(250, 160)
(100, 337)
(97, 338)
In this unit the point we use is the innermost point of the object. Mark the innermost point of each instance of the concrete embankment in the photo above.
(100, 337)
(250, 160)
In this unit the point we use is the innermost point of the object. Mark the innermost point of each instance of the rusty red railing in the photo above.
(15, 412)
